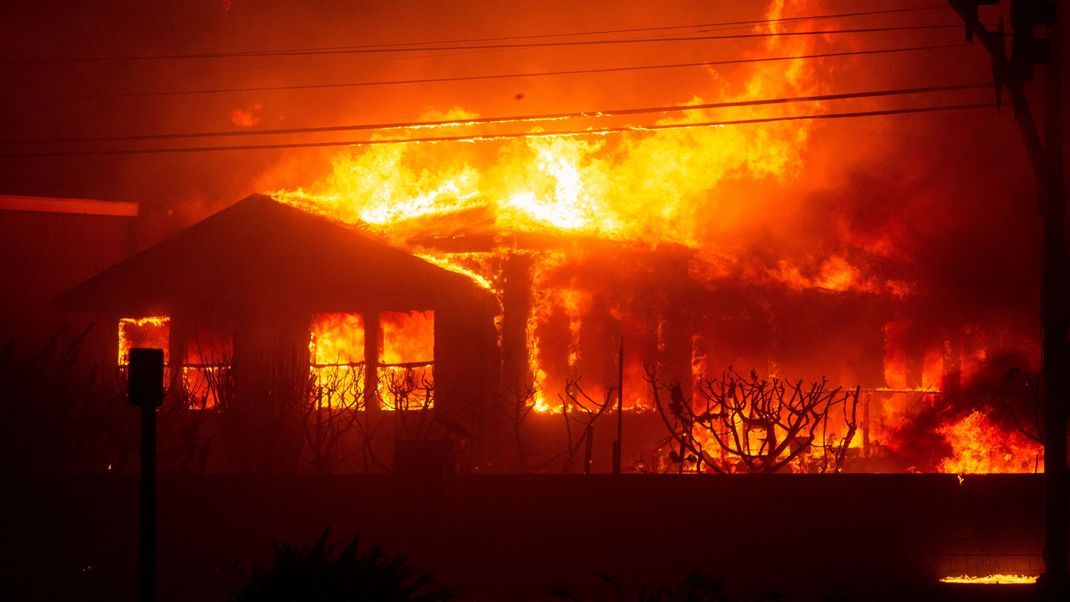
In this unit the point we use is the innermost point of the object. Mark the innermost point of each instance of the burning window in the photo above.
(406, 358)
(206, 372)
(406, 379)
(336, 350)
(152, 332)
(206, 375)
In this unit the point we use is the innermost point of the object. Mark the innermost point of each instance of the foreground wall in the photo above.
(521, 537)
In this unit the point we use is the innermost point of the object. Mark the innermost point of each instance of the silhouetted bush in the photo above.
(696, 588)
(315, 573)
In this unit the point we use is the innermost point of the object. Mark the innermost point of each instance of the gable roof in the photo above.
(263, 255)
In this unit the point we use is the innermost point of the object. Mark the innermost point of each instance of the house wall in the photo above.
(468, 378)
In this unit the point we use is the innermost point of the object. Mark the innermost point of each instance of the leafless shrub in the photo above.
(522, 404)
(331, 412)
(64, 413)
(746, 423)
(412, 396)
(577, 406)
(579, 412)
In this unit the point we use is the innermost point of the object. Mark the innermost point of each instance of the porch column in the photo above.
(373, 341)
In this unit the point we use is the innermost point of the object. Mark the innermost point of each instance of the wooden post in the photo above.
(372, 342)
(516, 308)
(865, 423)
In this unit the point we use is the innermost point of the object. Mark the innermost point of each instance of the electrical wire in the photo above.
(523, 45)
(484, 77)
(530, 118)
(506, 136)
(913, 9)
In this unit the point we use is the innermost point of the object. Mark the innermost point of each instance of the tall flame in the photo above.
(981, 446)
(652, 186)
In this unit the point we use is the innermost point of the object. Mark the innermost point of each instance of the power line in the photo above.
(518, 118)
(492, 76)
(727, 24)
(722, 25)
(495, 137)
(399, 45)
(367, 50)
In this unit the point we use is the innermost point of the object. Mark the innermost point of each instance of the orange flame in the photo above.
(650, 186)
(981, 446)
(151, 331)
(997, 579)
(643, 186)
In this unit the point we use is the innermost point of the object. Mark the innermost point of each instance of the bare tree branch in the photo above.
(757, 424)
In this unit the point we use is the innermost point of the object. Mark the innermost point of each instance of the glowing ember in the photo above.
(448, 263)
(992, 579)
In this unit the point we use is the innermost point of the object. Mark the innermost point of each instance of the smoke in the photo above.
(1002, 397)
(955, 216)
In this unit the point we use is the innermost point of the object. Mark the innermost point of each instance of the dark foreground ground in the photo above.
(836, 537)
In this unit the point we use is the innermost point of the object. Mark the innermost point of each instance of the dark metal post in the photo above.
(148, 504)
(145, 391)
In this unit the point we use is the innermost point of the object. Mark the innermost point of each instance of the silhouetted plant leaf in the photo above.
(316, 573)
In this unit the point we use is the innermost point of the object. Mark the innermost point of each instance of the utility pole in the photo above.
(1045, 152)
(1056, 323)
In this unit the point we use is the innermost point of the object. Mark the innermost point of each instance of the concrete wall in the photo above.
(517, 537)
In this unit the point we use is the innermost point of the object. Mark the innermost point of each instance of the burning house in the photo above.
(309, 343)
(499, 253)
(533, 275)
(260, 302)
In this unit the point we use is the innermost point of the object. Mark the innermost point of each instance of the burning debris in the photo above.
(992, 579)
